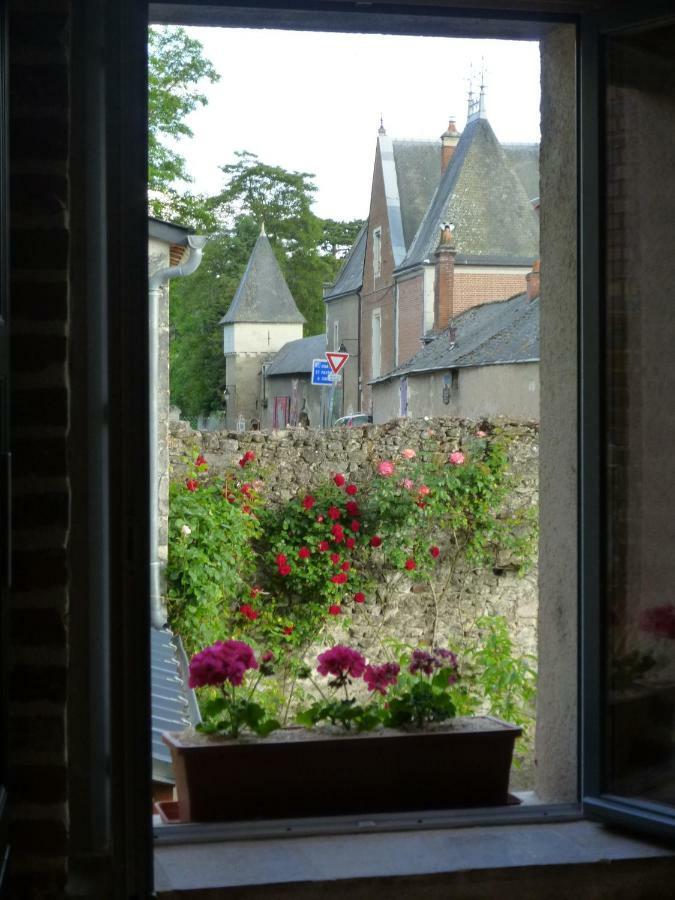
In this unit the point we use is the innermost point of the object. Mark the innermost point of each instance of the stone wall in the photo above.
(296, 460)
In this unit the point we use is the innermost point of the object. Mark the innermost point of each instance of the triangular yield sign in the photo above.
(336, 361)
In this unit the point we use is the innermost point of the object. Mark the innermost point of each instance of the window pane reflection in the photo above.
(640, 366)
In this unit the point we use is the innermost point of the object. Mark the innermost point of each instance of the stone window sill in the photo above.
(293, 865)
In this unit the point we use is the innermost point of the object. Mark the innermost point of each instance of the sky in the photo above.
(312, 102)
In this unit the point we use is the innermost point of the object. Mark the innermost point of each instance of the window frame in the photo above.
(118, 205)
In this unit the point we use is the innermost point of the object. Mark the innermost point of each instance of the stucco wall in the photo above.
(558, 637)
(257, 337)
(483, 392)
(282, 386)
(346, 311)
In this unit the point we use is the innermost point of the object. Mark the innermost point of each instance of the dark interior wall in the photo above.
(39, 123)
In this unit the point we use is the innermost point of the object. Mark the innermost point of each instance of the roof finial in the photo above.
(381, 130)
(481, 99)
(473, 104)
(263, 233)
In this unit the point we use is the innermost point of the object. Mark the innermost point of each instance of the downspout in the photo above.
(156, 282)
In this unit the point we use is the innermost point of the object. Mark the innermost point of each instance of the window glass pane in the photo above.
(640, 488)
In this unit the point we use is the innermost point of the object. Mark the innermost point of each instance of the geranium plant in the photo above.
(424, 696)
(224, 666)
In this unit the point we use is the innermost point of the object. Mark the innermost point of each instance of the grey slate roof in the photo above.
(295, 357)
(418, 171)
(174, 706)
(524, 160)
(350, 276)
(506, 331)
(483, 198)
(263, 295)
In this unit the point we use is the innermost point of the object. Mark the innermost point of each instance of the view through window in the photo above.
(346, 402)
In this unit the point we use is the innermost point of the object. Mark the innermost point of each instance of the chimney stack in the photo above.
(449, 140)
(445, 279)
(533, 279)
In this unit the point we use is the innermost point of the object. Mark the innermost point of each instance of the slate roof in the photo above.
(295, 357)
(524, 160)
(483, 198)
(506, 331)
(418, 171)
(263, 295)
(174, 706)
(350, 277)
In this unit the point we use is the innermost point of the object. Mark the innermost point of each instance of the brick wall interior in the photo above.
(39, 146)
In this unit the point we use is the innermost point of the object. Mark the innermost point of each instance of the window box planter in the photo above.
(294, 772)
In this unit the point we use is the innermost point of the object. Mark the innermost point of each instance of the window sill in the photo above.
(436, 856)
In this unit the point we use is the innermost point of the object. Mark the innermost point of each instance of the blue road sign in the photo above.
(322, 374)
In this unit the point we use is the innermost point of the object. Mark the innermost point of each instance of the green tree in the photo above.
(176, 68)
(338, 237)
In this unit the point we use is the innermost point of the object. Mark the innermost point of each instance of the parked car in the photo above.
(355, 420)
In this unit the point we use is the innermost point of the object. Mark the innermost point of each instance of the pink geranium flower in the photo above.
(386, 468)
(340, 662)
(379, 678)
(456, 458)
(221, 662)
(408, 484)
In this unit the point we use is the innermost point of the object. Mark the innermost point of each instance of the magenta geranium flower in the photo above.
(221, 662)
(379, 678)
(340, 662)
(659, 621)
(386, 468)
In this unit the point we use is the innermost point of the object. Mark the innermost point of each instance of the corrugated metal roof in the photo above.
(263, 295)
(295, 357)
(174, 706)
(483, 198)
(506, 331)
(350, 276)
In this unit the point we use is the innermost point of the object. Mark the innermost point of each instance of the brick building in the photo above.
(487, 191)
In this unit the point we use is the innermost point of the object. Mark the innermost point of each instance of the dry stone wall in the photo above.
(298, 459)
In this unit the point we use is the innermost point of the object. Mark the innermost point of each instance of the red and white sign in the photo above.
(336, 360)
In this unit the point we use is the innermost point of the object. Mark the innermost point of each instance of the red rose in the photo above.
(285, 569)
(335, 558)
(346, 566)
(304, 553)
(349, 543)
(308, 501)
(248, 612)
(246, 510)
(421, 504)
(281, 559)
(231, 498)
(355, 525)
(352, 508)
(334, 513)
(246, 489)
(351, 489)
(410, 564)
(334, 609)
(200, 461)
(375, 541)
(359, 597)
(288, 629)
(255, 591)
(191, 484)
(338, 533)
(339, 479)
(340, 578)
(323, 546)
(435, 551)
(248, 457)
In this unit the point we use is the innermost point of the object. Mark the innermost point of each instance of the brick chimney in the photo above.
(445, 279)
(449, 140)
(533, 279)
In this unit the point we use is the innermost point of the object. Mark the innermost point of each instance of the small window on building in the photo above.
(377, 252)
(376, 343)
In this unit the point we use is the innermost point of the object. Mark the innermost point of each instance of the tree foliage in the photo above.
(176, 68)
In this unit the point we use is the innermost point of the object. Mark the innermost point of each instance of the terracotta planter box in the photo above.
(294, 772)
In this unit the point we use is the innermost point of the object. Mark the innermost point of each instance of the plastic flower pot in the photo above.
(295, 772)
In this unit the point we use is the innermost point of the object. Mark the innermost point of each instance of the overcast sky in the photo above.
(312, 102)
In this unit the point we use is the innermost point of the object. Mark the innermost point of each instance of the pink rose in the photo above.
(408, 453)
(424, 490)
(408, 484)
(386, 468)
(456, 458)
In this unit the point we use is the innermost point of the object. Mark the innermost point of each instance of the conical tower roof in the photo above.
(263, 295)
